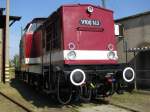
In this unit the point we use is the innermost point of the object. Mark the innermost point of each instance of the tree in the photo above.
(16, 61)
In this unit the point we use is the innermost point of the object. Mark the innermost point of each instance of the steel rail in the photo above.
(16, 102)
(123, 107)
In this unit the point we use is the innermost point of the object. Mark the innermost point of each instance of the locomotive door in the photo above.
(47, 48)
(52, 46)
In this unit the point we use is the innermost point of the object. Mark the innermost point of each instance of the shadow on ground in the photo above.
(41, 100)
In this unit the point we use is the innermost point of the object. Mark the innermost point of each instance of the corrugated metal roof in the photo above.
(12, 20)
(138, 49)
(133, 16)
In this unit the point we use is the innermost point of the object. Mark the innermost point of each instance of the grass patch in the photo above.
(133, 100)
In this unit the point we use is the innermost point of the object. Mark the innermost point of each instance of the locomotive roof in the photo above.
(76, 5)
(54, 13)
(35, 20)
(66, 5)
(73, 5)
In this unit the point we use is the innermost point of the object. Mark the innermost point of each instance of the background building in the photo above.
(134, 47)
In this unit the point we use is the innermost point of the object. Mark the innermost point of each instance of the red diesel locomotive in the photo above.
(73, 53)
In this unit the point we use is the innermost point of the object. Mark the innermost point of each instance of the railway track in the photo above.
(96, 108)
(103, 108)
(23, 107)
(123, 107)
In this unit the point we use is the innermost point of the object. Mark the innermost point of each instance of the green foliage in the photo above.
(15, 61)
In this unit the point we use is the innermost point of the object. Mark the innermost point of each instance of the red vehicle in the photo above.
(73, 53)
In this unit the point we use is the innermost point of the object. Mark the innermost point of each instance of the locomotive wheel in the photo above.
(111, 89)
(119, 88)
(85, 93)
(64, 89)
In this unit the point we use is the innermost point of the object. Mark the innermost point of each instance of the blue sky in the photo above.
(29, 9)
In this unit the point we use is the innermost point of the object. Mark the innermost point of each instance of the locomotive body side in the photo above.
(52, 40)
(35, 59)
(25, 47)
(30, 59)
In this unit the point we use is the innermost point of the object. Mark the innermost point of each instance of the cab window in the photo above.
(33, 27)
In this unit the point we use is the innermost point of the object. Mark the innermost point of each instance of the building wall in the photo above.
(136, 34)
(143, 69)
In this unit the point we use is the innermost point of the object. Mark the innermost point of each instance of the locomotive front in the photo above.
(90, 53)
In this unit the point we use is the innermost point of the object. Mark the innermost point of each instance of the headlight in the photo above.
(71, 55)
(111, 55)
(110, 47)
(71, 46)
(90, 9)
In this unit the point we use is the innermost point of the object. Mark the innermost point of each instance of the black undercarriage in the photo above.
(101, 81)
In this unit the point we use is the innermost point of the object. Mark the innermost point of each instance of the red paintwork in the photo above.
(28, 44)
(31, 46)
(85, 37)
(96, 39)
(37, 42)
(90, 61)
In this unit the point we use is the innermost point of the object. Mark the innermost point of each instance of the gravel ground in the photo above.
(30, 98)
(135, 100)
(102, 108)
(39, 102)
(8, 106)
